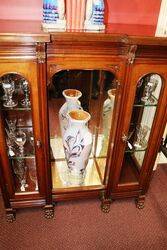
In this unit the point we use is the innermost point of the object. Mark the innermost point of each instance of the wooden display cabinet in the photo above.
(123, 81)
(22, 73)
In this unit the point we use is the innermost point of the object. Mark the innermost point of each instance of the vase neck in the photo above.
(78, 124)
(72, 103)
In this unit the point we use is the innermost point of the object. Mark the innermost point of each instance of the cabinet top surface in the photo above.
(22, 31)
(31, 31)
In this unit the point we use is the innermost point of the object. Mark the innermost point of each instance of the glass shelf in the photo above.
(127, 150)
(145, 105)
(24, 127)
(93, 174)
(22, 157)
(18, 108)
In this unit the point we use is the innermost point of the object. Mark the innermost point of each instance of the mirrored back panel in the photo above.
(81, 110)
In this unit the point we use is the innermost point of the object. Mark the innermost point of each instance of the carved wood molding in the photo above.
(131, 54)
(115, 68)
(53, 68)
(40, 52)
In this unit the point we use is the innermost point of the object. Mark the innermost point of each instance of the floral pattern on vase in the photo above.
(94, 15)
(72, 103)
(54, 14)
(77, 143)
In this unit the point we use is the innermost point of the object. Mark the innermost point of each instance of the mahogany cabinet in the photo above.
(22, 75)
(123, 81)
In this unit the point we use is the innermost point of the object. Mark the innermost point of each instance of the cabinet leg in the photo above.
(105, 203)
(140, 201)
(49, 211)
(10, 215)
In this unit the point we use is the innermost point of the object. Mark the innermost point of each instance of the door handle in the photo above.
(124, 138)
(38, 143)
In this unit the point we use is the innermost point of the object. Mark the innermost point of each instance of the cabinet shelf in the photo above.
(22, 157)
(135, 150)
(93, 176)
(15, 109)
(145, 105)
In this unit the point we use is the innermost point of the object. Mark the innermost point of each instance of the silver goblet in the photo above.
(141, 142)
(20, 140)
(149, 89)
(10, 146)
(26, 101)
(11, 124)
(9, 89)
(20, 171)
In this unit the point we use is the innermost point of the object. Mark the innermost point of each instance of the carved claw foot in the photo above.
(105, 207)
(10, 215)
(49, 211)
(105, 203)
(140, 202)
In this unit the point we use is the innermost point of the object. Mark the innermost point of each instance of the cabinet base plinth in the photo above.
(10, 215)
(140, 202)
(49, 211)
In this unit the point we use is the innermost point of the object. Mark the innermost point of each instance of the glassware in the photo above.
(10, 146)
(20, 171)
(31, 140)
(9, 89)
(149, 89)
(20, 140)
(10, 136)
(33, 177)
(11, 124)
(26, 101)
(141, 142)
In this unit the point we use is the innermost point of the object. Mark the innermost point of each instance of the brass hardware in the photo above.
(41, 57)
(40, 52)
(39, 144)
(124, 138)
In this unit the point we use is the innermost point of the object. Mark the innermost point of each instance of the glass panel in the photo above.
(81, 104)
(16, 107)
(144, 109)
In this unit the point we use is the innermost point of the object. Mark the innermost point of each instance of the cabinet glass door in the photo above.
(138, 138)
(81, 109)
(16, 112)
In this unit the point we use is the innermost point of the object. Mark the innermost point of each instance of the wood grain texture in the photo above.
(24, 51)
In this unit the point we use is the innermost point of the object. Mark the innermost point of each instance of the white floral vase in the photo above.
(108, 108)
(71, 96)
(94, 15)
(77, 143)
(54, 15)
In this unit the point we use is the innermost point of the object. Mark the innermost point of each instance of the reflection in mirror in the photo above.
(81, 107)
(15, 105)
(144, 109)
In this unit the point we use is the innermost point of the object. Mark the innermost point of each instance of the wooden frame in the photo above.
(39, 56)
